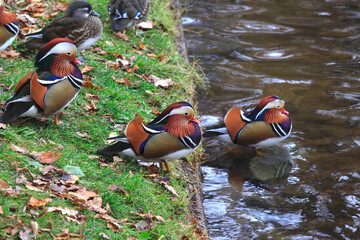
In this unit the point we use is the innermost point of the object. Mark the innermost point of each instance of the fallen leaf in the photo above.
(158, 82)
(92, 96)
(142, 46)
(35, 228)
(103, 235)
(49, 157)
(116, 188)
(148, 24)
(86, 69)
(132, 69)
(88, 84)
(84, 135)
(3, 184)
(34, 203)
(169, 188)
(1, 210)
(124, 81)
(19, 149)
(92, 107)
(122, 35)
(10, 54)
(63, 211)
(99, 51)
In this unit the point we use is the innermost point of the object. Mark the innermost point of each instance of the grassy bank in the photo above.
(117, 199)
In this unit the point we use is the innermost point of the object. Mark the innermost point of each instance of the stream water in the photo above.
(307, 52)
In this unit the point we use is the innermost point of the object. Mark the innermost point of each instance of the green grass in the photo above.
(122, 102)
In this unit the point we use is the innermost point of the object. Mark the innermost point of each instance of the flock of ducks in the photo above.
(173, 134)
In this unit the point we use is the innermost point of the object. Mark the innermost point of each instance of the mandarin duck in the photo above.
(170, 136)
(127, 13)
(46, 91)
(266, 125)
(81, 24)
(9, 27)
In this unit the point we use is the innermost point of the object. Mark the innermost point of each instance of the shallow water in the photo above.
(307, 53)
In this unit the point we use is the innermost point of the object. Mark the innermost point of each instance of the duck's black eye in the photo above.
(186, 113)
(278, 106)
(68, 53)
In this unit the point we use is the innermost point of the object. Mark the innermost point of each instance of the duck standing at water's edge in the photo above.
(266, 125)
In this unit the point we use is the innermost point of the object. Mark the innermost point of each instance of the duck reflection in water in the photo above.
(245, 164)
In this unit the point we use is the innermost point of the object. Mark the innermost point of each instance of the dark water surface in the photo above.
(307, 53)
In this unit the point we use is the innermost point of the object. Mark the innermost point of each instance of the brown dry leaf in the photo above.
(32, 188)
(142, 46)
(169, 188)
(156, 112)
(63, 211)
(86, 69)
(69, 236)
(151, 55)
(2, 126)
(118, 189)
(10, 54)
(3, 184)
(162, 83)
(19, 149)
(132, 69)
(89, 84)
(82, 195)
(92, 107)
(35, 228)
(138, 52)
(113, 224)
(34, 203)
(122, 35)
(49, 157)
(92, 96)
(103, 235)
(99, 51)
(124, 81)
(84, 135)
(148, 24)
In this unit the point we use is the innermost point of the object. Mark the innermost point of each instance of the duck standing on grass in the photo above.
(266, 125)
(127, 13)
(9, 27)
(170, 136)
(81, 24)
(46, 91)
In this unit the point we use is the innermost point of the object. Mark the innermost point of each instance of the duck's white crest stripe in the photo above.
(162, 118)
(151, 130)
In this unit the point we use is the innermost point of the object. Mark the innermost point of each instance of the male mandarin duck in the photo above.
(46, 91)
(80, 23)
(127, 13)
(170, 136)
(9, 27)
(266, 125)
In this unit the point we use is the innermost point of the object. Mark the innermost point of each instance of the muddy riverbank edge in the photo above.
(191, 169)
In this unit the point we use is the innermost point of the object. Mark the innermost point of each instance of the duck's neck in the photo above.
(178, 126)
(6, 17)
(274, 116)
(61, 67)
